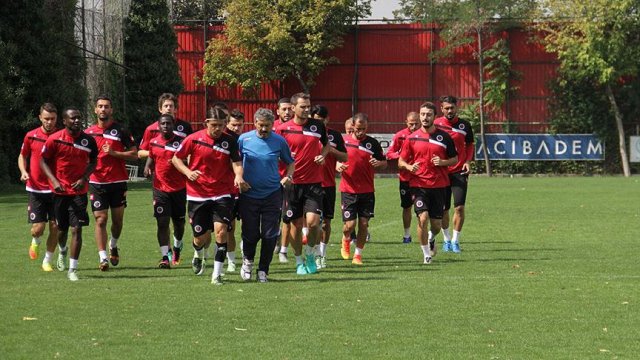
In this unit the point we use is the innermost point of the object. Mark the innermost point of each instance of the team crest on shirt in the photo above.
(97, 204)
(368, 146)
(439, 138)
(113, 132)
(160, 210)
(403, 191)
(313, 128)
(198, 228)
(84, 142)
(32, 216)
(330, 137)
(180, 127)
(461, 126)
(419, 203)
(176, 144)
(224, 144)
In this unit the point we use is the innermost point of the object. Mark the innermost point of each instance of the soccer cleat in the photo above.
(164, 263)
(231, 267)
(368, 236)
(310, 263)
(114, 257)
(33, 251)
(104, 265)
(406, 239)
(357, 260)
(318, 262)
(345, 250)
(246, 269)
(262, 277)
(432, 247)
(197, 265)
(446, 246)
(323, 261)
(216, 279)
(427, 260)
(283, 258)
(175, 259)
(61, 264)
(455, 247)
(72, 275)
(301, 269)
(46, 266)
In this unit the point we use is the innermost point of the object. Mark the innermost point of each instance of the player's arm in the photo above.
(378, 163)
(143, 154)
(130, 154)
(180, 165)
(239, 182)
(378, 160)
(55, 184)
(288, 177)
(405, 165)
(438, 161)
(148, 166)
(393, 152)
(91, 166)
(22, 165)
(340, 151)
(470, 149)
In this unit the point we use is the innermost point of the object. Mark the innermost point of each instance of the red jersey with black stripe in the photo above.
(165, 176)
(329, 169)
(110, 169)
(181, 129)
(357, 178)
(212, 157)
(31, 151)
(306, 142)
(462, 135)
(68, 156)
(393, 152)
(420, 147)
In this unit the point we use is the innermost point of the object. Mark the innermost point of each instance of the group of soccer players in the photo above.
(284, 168)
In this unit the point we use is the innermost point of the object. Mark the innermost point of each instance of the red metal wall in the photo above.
(388, 69)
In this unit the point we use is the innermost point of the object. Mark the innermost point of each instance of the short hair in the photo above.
(104, 97)
(430, 105)
(220, 105)
(166, 116)
(413, 114)
(237, 114)
(167, 96)
(48, 107)
(284, 100)
(360, 117)
(67, 109)
(300, 95)
(263, 114)
(320, 110)
(449, 99)
(216, 114)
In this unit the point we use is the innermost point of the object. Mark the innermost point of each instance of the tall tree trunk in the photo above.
(305, 87)
(485, 153)
(621, 138)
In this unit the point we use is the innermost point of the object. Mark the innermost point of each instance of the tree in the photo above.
(273, 40)
(467, 23)
(599, 40)
(182, 10)
(151, 66)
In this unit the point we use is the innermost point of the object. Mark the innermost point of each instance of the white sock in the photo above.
(164, 250)
(47, 257)
(217, 267)
(198, 254)
(113, 242)
(446, 234)
(283, 249)
(299, 260)
(73, 264)
(102, 254)
(456, 236)
(231, 255)
(177, 242)
(35, 241)
(358, 251)
(323, 249)
(305, 231)
(407, 232)
(430, 236)
(425, 250)
(62, 249)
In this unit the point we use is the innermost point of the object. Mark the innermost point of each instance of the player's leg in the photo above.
(200, 215)
(446, 234)
(405, 203)
(162, 214)
(250, 213)
(231, 246)
(117, 197)
(221, 236)
(459, 194)
(269, 222)
(365, 209)
(349, 217)
(61, 206)
(178, 209)
(78, 218)
(100, 208)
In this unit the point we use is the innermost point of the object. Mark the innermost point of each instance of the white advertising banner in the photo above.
(634, 147)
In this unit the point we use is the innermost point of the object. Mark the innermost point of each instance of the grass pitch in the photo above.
(549, 270)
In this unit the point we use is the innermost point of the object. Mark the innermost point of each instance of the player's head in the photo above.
(165, 123)
(449, 106)
(360, 125)
(413, 121)
(48, 116)
(72, 119)
(301, 103)
(222, 106)
(215, 122)
(263, 121)
(285, 110)
(103, 108)
(320, 112)
(236, 121)
(168, 104)
(427, 114)
(348, 126)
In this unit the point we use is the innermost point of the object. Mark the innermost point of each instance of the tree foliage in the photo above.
(182, 10)
(273, 40)
(151, 66)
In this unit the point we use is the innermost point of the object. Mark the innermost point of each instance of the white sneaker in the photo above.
(231, 267)
(318, 262)
(61, 264)
(246, 269)
(72, 275)
(262, 277)
(216, 279)
(427, 260)
(323, 262)
(283, 258)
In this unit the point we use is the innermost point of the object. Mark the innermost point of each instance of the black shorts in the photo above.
(406, 196)
(70, 211)
(202, 214)
(357, 205)
(329, 202)
(430, 200)
(40, 208)
(105, 196)
(304, 198)
(173, 204)
(286, 191)
(458, 189)
(235, 213)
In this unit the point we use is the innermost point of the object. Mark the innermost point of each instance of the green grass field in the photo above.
(549, 270)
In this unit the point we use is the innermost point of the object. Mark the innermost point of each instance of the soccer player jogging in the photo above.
(462, 135)
(68, 158)
(40, 209)
(426, 153)
(214, 169)
(358, 199)
(406, 200)
(169, 190)
(261, 204)
(167, 104)
(307, 139)
(108, 183)
(235, 127)
(285, 113)
(337, 152)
